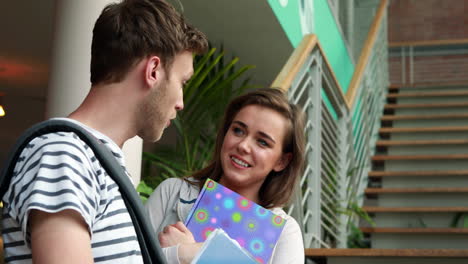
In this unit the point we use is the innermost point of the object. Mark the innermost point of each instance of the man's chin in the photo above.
(157, 138)
(152, 138)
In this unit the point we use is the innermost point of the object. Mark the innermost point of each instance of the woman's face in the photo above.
(252, 148)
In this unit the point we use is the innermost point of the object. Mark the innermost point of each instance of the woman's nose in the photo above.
(244, 145)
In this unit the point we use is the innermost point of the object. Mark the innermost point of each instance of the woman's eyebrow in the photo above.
(263, 134)
(242, 124)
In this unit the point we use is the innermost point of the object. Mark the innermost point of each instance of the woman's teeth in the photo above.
(240, 162)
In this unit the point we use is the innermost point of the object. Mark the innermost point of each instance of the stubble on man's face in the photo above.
(152, 115)
(166, 98)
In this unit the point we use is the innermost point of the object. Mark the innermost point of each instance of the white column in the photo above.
(133, 150)
(70, 66)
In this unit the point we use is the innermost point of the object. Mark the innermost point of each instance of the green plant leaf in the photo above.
(204, 73)
(199, 65)
(456, 219)
(465, 221)
(144, 190)
(422, 223)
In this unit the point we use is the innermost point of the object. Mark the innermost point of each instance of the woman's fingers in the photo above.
(179, 225)
(175, 234)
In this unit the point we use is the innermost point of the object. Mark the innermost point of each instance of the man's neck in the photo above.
(108, 110)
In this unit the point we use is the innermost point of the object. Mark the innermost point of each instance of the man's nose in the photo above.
(179, 105)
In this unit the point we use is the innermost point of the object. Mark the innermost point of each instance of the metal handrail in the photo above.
(340, 132)
(296, 62)
(366, 51)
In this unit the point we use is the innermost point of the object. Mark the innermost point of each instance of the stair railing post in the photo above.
(343, 163)
(403, 65)
(411, 64)
(314, 113)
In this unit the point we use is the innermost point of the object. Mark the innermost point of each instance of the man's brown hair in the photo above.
(131, 30)
(278, 187)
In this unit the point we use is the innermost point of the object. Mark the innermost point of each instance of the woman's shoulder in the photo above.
(170, 186)
(290, 246)
(279, 211)
(176, 185)
(170, 183)
(290, 221)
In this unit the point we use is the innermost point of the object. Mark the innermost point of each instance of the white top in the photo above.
(58, 171)
(173, 199)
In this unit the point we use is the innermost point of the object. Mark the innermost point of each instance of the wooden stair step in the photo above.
(420, 157)
(417, 190)
(443, 85)
(384, 130)
(423, 117)
(427, 105)
(378, 209)
(377, 252)
(427, 94)
(385, 143)
(424, 230)
(378, 174)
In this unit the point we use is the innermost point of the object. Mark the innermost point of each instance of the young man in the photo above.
(61, 206)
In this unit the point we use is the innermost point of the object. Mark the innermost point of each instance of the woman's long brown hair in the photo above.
(278, 187)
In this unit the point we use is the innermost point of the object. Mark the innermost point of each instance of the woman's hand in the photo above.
(175, 234)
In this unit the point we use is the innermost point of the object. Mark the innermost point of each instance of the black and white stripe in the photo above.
(58, 171)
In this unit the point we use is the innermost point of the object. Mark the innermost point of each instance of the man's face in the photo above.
(166, 98)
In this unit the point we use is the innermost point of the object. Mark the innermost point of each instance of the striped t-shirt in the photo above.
(58, 171)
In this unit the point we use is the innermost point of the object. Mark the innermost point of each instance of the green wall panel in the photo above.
(332, 43)
(324, 26)
(287, 12)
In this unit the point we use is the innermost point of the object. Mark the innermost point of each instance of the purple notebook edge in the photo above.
(195, 205)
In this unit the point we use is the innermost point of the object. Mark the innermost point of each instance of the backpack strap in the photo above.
(150, 248)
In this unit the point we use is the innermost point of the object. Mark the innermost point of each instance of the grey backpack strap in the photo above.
(150, 249)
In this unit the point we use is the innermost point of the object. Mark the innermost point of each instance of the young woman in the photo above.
(259, 154)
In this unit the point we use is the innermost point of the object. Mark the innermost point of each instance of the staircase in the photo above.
(419, 182)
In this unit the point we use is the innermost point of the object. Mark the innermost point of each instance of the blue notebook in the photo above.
(220, 248)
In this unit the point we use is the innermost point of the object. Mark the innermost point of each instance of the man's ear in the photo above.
(283, 162)
(153, 70)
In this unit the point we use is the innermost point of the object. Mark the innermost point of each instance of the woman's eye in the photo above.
(263, 143)
(238, 131)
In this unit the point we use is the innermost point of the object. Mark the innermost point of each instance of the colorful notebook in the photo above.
(255, 228)
(220, 248)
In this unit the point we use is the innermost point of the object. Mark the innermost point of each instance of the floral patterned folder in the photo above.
(255, 228)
